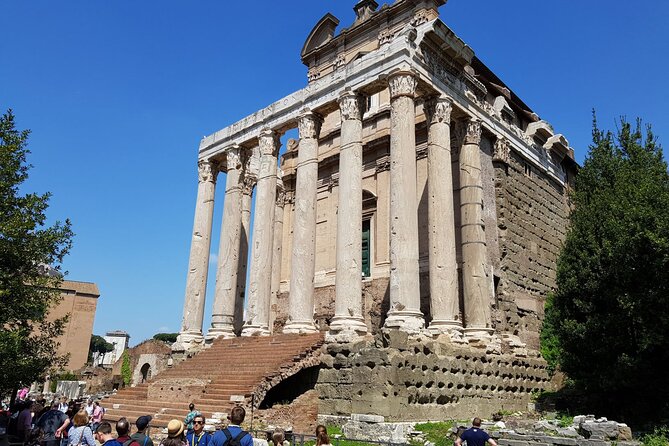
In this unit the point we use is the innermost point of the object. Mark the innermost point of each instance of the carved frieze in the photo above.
(248, 184)
(473, 135)
(207, 171)
(351, 106)
(438, 110)
(450, 73)
(269, 143)
(313, 74)
(309, 125)
(280, 196)
(502, 150)
(402, 84)
(419, 18)
(340, 61)
(386, 36)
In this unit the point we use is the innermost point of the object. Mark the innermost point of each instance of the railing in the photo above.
(297, 439)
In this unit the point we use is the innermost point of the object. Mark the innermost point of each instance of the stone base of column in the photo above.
(223, 331)
(345, 329)
(188, 342)
(408, 321)
(442, 326)
(300, 327)
(255, 330)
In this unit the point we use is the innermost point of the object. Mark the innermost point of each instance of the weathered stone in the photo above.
(599, 430)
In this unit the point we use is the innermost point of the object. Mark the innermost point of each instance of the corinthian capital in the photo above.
(350, 106)
(269, 142)
(502, 150)
(402, 84)
(233, 155)
(438, 110)
(309, 125)
(473, 135)
(207, 171)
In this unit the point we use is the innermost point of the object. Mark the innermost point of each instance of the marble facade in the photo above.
(406, 137)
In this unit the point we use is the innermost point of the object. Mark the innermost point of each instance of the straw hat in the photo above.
(175, 428)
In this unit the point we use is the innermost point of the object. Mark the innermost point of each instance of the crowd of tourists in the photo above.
(71, 423)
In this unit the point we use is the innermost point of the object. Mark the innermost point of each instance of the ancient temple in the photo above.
(423, 199)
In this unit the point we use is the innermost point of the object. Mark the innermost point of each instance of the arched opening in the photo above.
(290, 388)
(146, 372)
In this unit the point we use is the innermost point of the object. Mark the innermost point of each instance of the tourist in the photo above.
(233, 434)
(140, 436)
(322, 438)
(53, 423)
(89, 408)
(24, 423)
(475, 436)
(63, 406)
(80, 433)
(198, 437)
(188, 421)
(175, 434)
(279, 438)
(104, 435)
(123, 433)
(98, 413)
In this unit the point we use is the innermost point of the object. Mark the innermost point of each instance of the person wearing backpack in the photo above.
(123, 431)
(104, 435)
(140, 436)
(80, 434)
(233, 435)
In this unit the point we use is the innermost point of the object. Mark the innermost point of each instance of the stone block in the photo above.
(174, 389)
(599, 430)
(361, 417)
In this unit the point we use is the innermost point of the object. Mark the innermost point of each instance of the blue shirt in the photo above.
(219, 438)
(475, 436)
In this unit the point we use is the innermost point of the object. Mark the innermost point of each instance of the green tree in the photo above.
(98, 346)
(609, 319)
(126, 371)
(170, 338)
(31, 253)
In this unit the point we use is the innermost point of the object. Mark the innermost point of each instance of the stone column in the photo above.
(404, 311)
(348, 321)
(222, 318)
(257, 314)
(190, 336)
(277, 250)
(475, 283)
(249, 183)
(303, 262)
(444, 301)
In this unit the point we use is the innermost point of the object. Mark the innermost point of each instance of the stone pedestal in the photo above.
(301, 297)
(348, 321)
(444, 301)
(404, 311)
(222, 318)
(475, 282)
(190, 336)
(257, 313)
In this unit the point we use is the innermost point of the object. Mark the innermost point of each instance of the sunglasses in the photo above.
(198, 422)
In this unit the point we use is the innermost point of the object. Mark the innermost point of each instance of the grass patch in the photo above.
(438, 433)
(659, 437)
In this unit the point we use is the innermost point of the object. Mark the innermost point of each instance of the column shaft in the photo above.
(348, 320)
(301, 298)
(404, 311)
(277, 252)
(257, 315)
(444, 302)
(222, 318)
(475, 283)
(244, 240)
(196, 281)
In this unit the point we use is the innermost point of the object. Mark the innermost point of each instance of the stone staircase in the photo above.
(229, 371)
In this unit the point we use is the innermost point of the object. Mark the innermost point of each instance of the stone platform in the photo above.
(419, 380)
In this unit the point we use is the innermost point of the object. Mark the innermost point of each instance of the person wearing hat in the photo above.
(140, 436)
(175, 434)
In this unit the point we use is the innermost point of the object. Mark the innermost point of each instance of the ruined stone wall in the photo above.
(404, 380)
(532, 218)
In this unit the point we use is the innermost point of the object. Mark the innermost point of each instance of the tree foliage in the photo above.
(98, 346)
(126, 371)
(609, 319)
(31, 253)
(169, 338)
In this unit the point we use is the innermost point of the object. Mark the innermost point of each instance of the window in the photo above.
(366, 248)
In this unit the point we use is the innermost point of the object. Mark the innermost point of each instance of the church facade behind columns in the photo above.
(423, 198)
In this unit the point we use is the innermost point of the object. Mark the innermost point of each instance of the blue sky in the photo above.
(118, 95)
